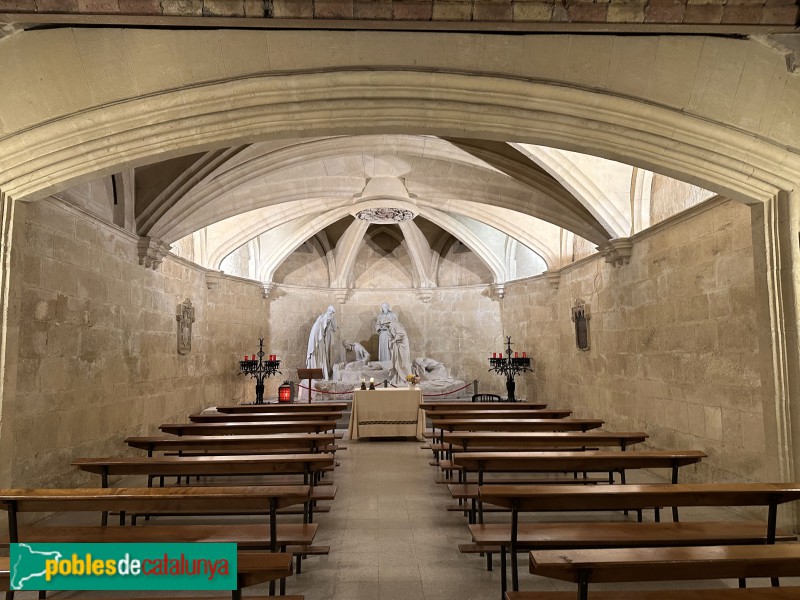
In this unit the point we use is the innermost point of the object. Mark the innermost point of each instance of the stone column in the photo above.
(776, 263)
(10, 264)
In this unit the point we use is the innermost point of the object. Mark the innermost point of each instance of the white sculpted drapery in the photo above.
(320, 343)
(399, 351)
(382, 321)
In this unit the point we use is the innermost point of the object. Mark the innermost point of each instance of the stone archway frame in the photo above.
(52, 155)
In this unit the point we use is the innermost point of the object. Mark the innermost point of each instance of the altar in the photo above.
(386, 413)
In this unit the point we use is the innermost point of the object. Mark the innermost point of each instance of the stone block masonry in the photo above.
(97, 343)
(674, 347)
(693, 12)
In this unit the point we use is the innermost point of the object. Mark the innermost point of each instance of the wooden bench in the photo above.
(488, 441)
(282, 407)
(770, 593)
(432, 406)
(238, 428)
(532, 536)
(218, 417)
(309, 465)
(535, 413)
(574, 462)
(447, 424)
(255, 444)
(509, 441)
(235, 500)
(668, 564)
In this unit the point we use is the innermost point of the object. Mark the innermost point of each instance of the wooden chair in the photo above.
(486, 398)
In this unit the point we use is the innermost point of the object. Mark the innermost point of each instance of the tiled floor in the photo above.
(391, 538)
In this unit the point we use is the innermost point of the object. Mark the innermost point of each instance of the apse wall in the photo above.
(674, 349)
(98, 356)
(458, 327)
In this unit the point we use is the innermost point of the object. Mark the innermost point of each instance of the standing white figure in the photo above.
(400, 353)
(320, 343)
(382, 321)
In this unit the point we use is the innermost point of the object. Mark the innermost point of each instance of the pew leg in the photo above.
(742, 582)
(488, 561)
(299, 568)
(42, 594)
(503, 574)
(775, 581)
(282, 590)
(583, 586)
(9, 595)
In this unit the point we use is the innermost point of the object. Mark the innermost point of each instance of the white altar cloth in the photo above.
(387, 412)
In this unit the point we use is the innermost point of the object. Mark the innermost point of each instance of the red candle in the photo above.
(253, 357)
(494, 354)
(524, 355)
(516, 355)
(245, 356)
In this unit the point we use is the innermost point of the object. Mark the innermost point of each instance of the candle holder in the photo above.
(260, 369)
(510, 366)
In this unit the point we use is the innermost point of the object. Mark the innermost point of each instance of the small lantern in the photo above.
(285, 392)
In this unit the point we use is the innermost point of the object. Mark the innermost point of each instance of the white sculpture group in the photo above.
(394, 354)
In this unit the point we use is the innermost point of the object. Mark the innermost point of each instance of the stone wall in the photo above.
(496, 11)
(673, 341)
(457, 327)
(98, 354)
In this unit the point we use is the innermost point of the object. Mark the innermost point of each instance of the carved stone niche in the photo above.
(580, 316)
(185, 318)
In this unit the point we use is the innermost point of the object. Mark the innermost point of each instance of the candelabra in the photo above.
(510, 366)
(260, 369)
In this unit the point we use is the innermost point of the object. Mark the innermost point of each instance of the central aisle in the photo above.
(390, 535)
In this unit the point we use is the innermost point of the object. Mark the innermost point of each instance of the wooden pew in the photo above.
(309, 465)
(520, 440)
(288, 407)
(489, 441)
(770, 593)
(238, 428)
(218, 417)
(431, 407)
(254, 444)
(530, 425)
(614, 565)
(199, 500)
(447, 425)
(565, 462)
(539, 413)
(538, 536)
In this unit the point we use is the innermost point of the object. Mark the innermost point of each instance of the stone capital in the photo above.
(424, 294)
(213, 278)
(553, 278)
(152, 251)
(617, 252)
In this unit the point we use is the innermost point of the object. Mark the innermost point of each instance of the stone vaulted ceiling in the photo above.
(519, 209)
